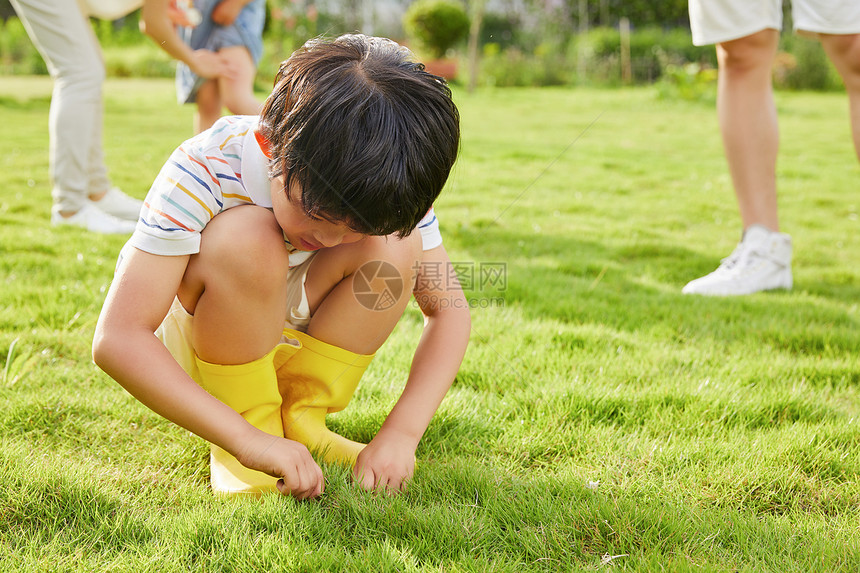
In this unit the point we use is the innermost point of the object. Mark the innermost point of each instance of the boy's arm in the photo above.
(155, 22)
(389, 459)
(126, 347)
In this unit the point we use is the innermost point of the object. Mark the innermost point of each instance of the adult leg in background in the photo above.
(209, 106)
(844, 52)
(237, 92)
(69, 47)
(748, 123)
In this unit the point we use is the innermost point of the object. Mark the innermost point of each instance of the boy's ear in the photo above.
(265, 147)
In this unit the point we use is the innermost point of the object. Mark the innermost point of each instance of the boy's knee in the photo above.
(373, 258)
(248, 243)
(382, 260)
(403, 254)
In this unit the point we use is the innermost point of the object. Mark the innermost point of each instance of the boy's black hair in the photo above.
(368, 134)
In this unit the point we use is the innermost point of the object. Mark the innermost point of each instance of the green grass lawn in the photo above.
(601, 420)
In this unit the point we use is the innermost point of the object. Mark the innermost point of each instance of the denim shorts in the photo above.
(246, 30)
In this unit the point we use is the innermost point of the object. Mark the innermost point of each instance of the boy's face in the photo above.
(302, 231)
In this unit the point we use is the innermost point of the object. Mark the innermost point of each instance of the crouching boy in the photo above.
(275, 254)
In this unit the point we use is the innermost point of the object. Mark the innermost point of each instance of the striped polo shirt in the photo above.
(222, 167)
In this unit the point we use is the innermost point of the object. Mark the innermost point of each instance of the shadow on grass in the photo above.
(490, 520)
(636, 288)
(454, 512)
(40, 507)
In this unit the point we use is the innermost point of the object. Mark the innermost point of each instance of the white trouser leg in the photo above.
(66, 41)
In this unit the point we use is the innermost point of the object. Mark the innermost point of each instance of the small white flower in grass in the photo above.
(592, 485)
(606, 559)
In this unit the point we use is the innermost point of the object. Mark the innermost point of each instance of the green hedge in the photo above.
(651, 49)
(17, 53)
(657, 55)
(663, 13)
(509, 57)
(593, 58)
(802, 65)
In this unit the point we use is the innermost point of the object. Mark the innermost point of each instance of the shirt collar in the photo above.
(255, 169)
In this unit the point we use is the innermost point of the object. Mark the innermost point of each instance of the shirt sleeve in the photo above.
(429, 228)
(178, 206)
(201, 179)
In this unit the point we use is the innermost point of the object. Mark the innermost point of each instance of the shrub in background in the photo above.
(122, 32)
(513, 53)
(436, 25)
(17, 53)
(665, 13)
(502, 30)
(689, 81)
(802, 65)
(513, 67)
(650, 49)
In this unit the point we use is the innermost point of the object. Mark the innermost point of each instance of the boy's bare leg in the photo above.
(237, 91)
(235, 287)
(844, 52)
(748, 121)
(342, 319)
(208, 106)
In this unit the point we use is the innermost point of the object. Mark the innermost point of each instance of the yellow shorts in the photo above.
(175, 329)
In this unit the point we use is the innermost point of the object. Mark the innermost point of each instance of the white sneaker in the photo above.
(92, 219)
(761, 261)
(118, 204)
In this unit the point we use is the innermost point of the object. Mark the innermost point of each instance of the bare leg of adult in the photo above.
(237, 92)
(748, 122)
(844, 52)
(209, 106)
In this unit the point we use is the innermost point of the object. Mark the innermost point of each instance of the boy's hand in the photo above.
(386, 463)
(226, 12)
(299, 474)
